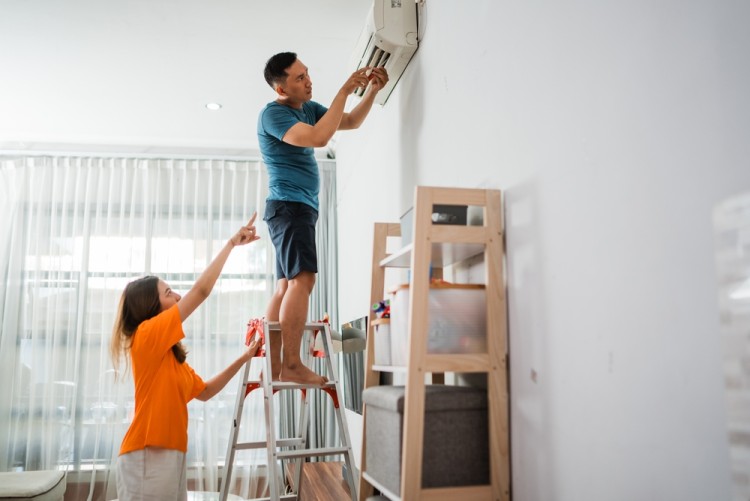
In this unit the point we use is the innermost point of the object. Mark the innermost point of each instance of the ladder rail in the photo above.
(303, 425)
(268, 395)
(231, 446)
(340, 416)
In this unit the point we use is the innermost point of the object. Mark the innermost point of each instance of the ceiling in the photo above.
(135, 75)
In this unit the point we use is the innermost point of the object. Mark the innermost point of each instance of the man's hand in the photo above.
(378, 78)
(355, 81)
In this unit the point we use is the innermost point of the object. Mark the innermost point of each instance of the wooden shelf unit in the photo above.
(443, 245)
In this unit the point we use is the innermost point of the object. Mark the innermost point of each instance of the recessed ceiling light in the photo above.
(213, 106)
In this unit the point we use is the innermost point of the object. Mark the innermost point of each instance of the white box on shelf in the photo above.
(382, 341)
(457, 320)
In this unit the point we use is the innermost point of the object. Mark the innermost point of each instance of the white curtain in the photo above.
(323, 430)
(73, 231)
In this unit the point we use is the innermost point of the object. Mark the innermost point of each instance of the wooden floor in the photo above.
(322, 481)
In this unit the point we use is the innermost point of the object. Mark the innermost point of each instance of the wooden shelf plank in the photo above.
(443, 254)
(458, 234)
(457, 362)
(456, 196)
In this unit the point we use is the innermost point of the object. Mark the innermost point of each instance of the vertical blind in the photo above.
(73, 231)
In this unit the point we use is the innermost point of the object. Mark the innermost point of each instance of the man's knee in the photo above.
(305, 279)
(281, 287)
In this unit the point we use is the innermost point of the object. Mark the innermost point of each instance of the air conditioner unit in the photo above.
(388, 39)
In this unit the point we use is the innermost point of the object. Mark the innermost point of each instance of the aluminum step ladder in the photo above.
(289, 448)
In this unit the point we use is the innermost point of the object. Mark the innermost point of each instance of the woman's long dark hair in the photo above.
(139, 302)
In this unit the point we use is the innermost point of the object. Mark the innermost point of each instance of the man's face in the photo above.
(298, 86)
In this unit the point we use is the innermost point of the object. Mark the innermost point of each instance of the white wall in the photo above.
(613, 130)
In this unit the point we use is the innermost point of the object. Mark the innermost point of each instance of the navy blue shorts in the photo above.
(291, 226)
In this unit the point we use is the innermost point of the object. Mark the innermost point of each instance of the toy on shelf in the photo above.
(382, 309)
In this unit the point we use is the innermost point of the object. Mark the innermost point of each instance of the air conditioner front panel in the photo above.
(378, 15)
(389, 39)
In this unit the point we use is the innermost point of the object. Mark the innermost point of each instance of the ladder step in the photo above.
(284, 442)
(312, 326)
(285, 385)
(281, 385)
(306, 453)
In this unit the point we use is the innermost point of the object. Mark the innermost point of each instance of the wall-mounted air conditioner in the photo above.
(388, 39)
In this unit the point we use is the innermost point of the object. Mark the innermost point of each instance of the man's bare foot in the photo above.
(275, 372)
(275, 369)
(274, 377)
(302, 375)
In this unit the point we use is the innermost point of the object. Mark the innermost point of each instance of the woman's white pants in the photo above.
(152, 474)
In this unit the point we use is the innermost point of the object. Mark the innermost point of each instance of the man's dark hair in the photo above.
(275, 72)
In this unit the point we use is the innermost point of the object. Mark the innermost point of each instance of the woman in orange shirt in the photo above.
(152, 463)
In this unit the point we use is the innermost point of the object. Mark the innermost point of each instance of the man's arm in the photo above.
(318, 135)
(354, 118)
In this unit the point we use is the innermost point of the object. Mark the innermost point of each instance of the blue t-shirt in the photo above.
(292, 170)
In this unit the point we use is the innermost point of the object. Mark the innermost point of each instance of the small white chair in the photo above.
(44, 485)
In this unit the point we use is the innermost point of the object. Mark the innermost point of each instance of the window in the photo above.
(77, 231)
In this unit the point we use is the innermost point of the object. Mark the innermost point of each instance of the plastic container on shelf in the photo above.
(457, 320)
(382, 341)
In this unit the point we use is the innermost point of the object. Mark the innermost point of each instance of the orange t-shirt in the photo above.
(163, 386)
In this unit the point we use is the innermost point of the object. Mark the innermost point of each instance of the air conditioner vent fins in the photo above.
(378, 58)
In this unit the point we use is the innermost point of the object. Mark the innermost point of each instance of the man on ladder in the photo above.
(289, 129)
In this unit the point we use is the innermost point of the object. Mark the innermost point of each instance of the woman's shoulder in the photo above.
(166, 316)
(164, 321)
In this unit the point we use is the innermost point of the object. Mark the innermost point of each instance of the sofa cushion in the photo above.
(45, 485)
